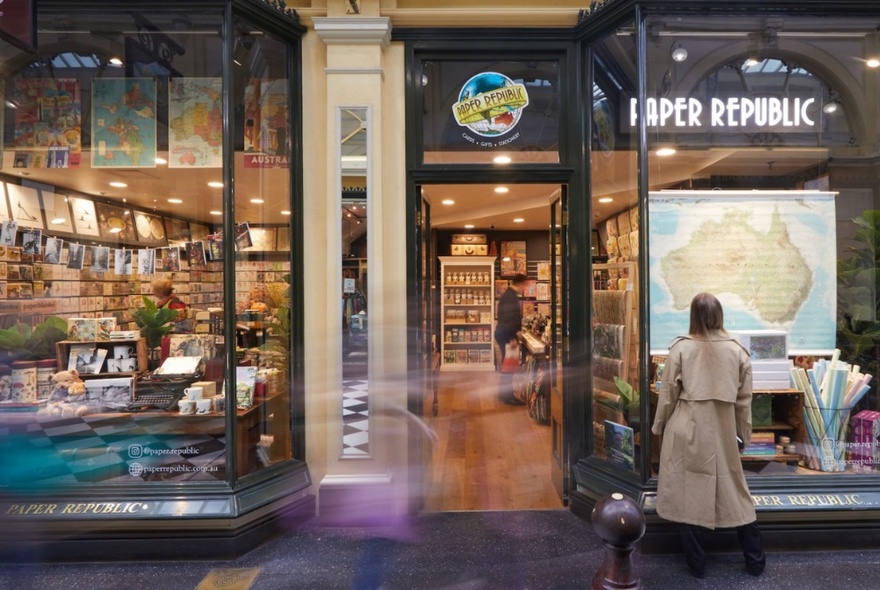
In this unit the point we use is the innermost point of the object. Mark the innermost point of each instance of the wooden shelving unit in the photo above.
(468, 312)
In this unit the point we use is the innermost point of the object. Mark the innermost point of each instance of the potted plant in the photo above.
(155, 323)
(23, 342)
(858, 307)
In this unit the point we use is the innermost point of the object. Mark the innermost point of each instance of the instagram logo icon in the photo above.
(135, 451)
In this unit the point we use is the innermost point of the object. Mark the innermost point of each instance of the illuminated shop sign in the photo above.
(761, 112)
(490, 105)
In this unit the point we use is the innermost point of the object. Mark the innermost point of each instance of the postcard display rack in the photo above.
(615, 342)
(468, 306)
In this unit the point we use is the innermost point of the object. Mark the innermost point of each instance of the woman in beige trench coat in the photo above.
(705, 404)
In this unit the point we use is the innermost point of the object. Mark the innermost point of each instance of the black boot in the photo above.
(752, 544)
(694, 554)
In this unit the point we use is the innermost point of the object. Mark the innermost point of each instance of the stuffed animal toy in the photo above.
(68, 396)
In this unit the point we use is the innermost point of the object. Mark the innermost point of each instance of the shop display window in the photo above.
(759, 155)
(617, 432)
(112, 180)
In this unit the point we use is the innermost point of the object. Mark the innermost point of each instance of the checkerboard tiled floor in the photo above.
(355, 417)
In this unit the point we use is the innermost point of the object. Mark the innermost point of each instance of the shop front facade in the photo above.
(676, 148)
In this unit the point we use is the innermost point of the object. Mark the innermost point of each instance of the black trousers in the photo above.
(750, 540)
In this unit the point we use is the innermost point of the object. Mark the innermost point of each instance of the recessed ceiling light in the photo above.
(502, 160)
(448, 202)
(518, 220)
(750, 62)
(115, 230)
(257, 201)
(215, 184)
(606, 200)
(175, 201)
(469, 226)
(285, 212)
(117, 184)
(501, 190)
(161, 161)
(665, 151)
(215, 212)
(873, 62)
(58, 220)
(115, 61)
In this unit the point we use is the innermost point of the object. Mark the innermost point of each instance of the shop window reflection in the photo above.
(354, 161)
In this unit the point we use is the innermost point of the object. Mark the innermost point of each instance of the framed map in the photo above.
(123, 123)
(198, 231)
(262, 239)
(195, 123)
(114, 222)
(150, 229)
(176, 230)
(85, 221)
(283, 239)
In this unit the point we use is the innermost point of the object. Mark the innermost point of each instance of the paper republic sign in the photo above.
(490, 105)
(764, 112)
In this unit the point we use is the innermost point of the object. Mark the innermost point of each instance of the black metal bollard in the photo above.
(620, 523)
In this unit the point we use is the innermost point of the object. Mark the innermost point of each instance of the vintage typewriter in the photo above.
(160, 392)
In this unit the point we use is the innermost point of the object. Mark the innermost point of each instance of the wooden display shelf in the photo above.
(62, 355)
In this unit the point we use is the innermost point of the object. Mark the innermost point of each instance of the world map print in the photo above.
(124, 123)
(769, 257)
(195, 118)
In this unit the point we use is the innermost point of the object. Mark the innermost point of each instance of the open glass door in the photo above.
(558, 342)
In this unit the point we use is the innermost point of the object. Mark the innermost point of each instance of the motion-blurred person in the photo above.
(507, 328)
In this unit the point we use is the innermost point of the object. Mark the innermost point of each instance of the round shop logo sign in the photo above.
(490, 104)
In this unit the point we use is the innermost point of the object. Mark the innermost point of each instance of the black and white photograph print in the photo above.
(122, 261)
(146, 261)
(100, 259)
(52, 253)
(8, 231)
(32, 241)
(76, 255)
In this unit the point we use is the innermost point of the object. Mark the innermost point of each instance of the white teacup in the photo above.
(127, 365)
(187, 406)
(113, 366)
(203, 406)
(193, 393)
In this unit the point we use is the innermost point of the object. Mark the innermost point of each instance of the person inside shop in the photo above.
(163, 294)
(507, 328)
(704, 417)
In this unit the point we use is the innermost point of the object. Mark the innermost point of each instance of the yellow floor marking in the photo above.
(229, 579)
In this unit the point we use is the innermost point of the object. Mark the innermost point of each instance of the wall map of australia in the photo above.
(768, 256)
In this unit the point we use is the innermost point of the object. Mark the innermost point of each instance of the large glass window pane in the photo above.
(617, 432)
(479, 111)
(759, 171)
(262, 260)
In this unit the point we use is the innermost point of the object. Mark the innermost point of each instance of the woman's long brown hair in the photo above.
(707, 315)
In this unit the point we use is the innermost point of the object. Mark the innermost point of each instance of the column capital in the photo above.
(346, 30)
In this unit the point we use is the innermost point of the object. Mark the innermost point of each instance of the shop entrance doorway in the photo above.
(492, 455)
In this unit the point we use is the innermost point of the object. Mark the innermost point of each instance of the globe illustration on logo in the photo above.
(490, 104)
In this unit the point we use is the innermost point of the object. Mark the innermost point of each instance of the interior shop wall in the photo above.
(537, 242)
